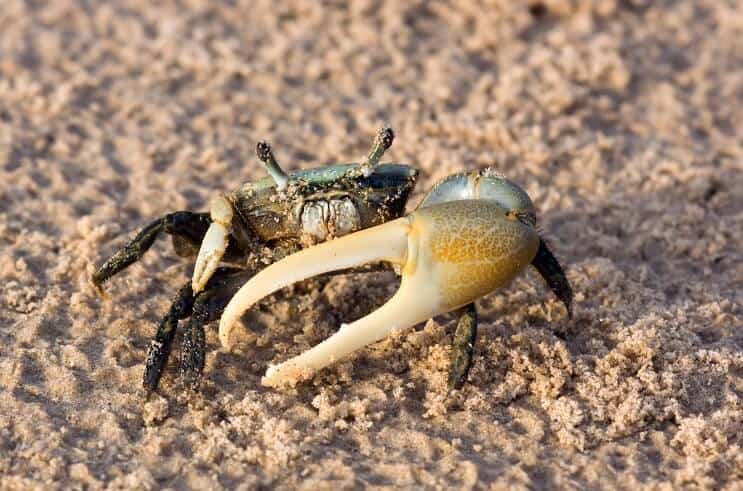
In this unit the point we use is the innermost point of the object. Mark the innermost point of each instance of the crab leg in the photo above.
(214, 244)
(186, 228)
(463, 346)
(159, 351)
(450, 254)
(550, 269)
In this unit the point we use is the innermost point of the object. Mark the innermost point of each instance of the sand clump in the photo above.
(620, 118)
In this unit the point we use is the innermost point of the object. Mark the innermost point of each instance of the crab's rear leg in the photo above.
(208, 306)
(187, 229)
(202, 308)
(463, 346)
(549, 268)
(159, 351)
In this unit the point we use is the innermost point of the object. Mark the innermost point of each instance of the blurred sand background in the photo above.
(622, 119)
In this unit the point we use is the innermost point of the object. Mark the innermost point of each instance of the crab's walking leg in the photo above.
(193, 352)
(207, 307)
(463, 345)
(203, 308)
(187, 229)
(550, 269)
(159, 352)
(214, 244)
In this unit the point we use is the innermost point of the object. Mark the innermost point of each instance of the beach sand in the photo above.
(622, 119)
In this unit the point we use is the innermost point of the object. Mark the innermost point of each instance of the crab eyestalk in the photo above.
(450, 254)
(265, 154)
(382, 141)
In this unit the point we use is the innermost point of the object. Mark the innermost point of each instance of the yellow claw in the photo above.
(450, 254)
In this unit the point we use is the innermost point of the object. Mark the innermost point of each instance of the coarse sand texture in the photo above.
(622, 119)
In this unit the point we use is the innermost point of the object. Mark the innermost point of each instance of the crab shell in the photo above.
(322, 203)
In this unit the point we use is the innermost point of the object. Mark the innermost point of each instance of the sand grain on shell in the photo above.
(621, 119)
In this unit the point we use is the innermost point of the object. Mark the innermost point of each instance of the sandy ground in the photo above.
(622, 119)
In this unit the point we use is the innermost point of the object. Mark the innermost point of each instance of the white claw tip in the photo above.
(213, 247)
(225, 337)
(286, 373)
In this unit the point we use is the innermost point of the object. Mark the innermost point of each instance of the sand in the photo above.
(622, 119)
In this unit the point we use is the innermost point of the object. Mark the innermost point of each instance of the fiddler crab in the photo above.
(472, 233)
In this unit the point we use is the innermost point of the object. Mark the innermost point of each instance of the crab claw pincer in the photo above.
(214, 244)
(449, 254)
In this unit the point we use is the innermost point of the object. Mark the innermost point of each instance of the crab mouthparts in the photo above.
(450, 254)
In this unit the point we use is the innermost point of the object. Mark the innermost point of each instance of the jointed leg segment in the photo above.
(207, 307)
(202, 308)
(187, 229)
(549, 268)
(159, 351)
(463, 346)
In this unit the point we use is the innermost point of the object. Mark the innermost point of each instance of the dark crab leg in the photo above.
(207, 307)
(159, 351)
(550, 269)
(187, 229)
(463, 346)
(204, 306)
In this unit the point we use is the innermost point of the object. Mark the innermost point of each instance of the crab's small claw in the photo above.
(214, 244)
(450, 254)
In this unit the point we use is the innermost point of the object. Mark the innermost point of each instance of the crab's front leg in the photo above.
(185, 227)
(463, 346)
(450, 254)
(214, 244)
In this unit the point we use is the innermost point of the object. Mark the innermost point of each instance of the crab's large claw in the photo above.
(214, 244)
(450, 254)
